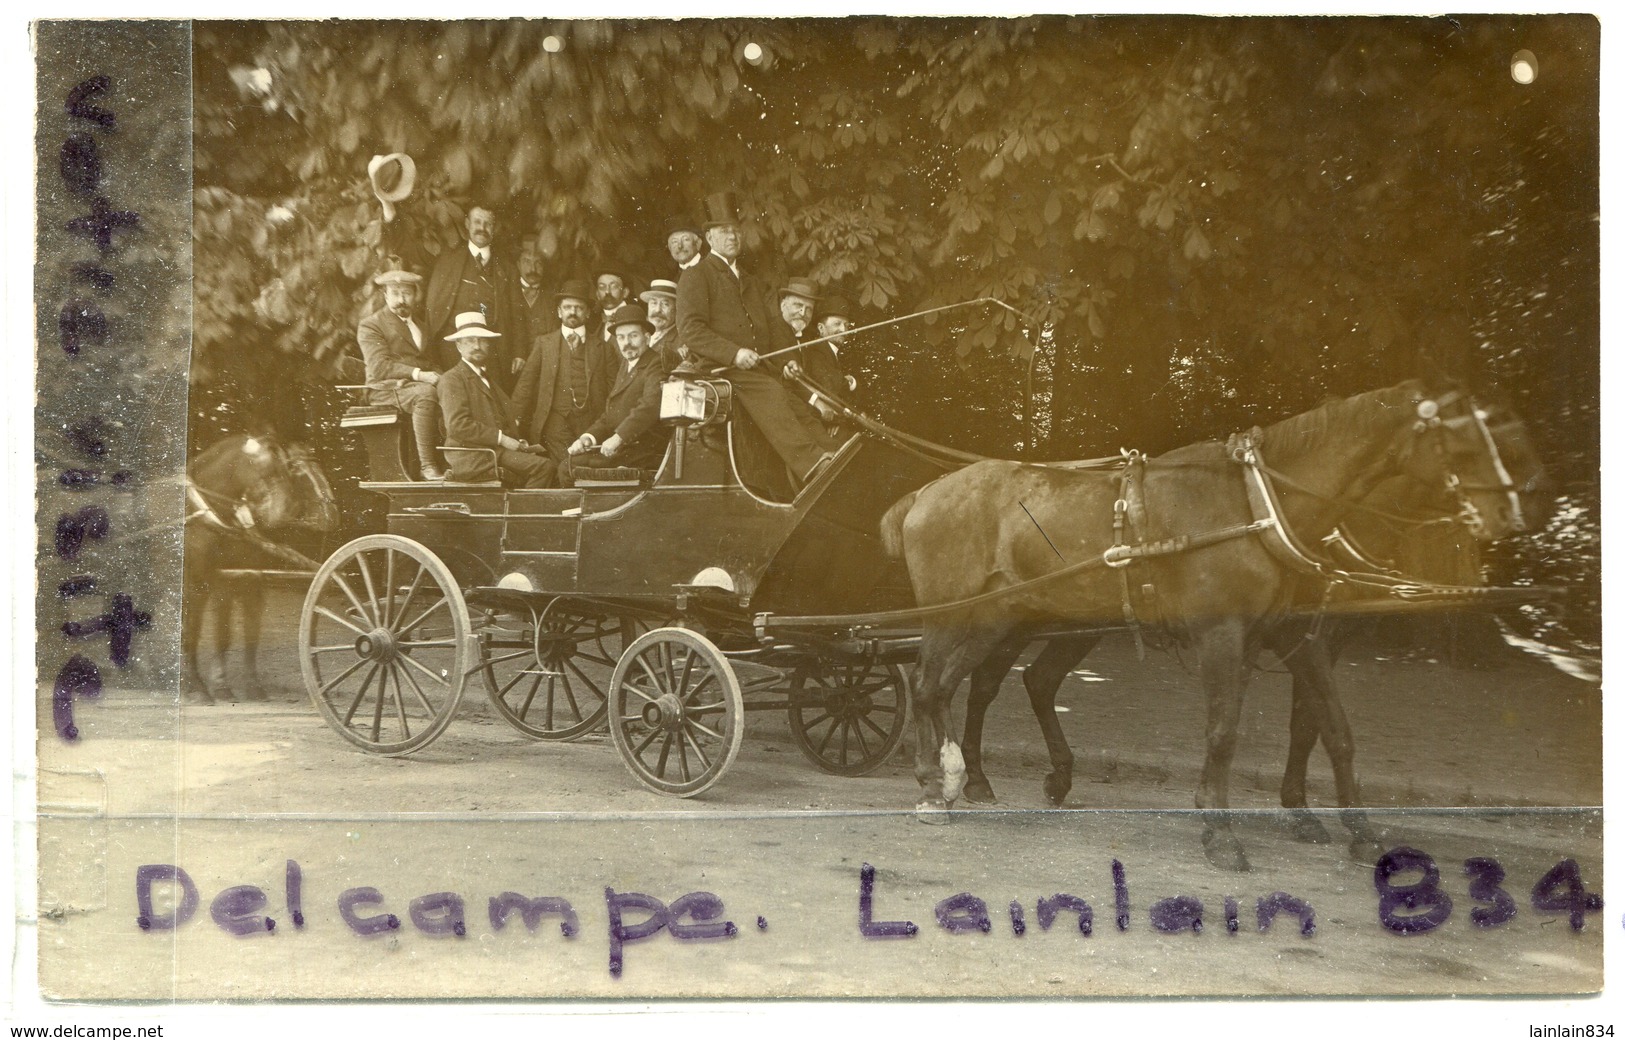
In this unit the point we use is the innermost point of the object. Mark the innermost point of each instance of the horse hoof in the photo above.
(1056, 788)
(1306, 828)
(932, 810)
(1224, 852)
(980, 792)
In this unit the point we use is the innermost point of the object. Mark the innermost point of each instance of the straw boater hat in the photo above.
(659, 287)
(630, 314)
(471, 325)
(802, 287)
(392, 177)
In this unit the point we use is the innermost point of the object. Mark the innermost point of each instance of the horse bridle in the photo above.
(1429, 419)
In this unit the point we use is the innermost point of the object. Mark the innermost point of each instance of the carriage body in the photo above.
(554, 597)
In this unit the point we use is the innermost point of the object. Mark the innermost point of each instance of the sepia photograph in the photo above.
(869, 507)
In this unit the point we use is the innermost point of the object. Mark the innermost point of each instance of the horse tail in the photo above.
(891, 525)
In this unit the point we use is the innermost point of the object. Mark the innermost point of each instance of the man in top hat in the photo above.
(566, 378)
(540, 306)
(610, 291)
(479, 415)
(628, 433)
(820, 363)
(660, 300)
(476, 278)
(684, 242)
(401, 371)
(723, 317)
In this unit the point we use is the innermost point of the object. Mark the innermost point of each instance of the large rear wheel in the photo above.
(849, 718)
(384, 644)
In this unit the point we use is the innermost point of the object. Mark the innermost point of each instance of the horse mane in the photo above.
(1359, 416)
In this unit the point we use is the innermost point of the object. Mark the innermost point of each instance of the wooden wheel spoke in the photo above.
(335, 648)
(343, 675)
(857, 731)
(389, 584)
(682, 754)
(653, 678)
(372, 590)
(699, 752)
(360, 695)
(709, 680)
(570, 696)
(415, 663)
(882, 734)
(355, 601)
(707, 730)
(665, 753)
(809, 725)
(822, 744)
(443, 601)
(706, 709)
(430, 644)
(400, 706)
(378, 707)
(588, 680)
(406, 601)
(488, 662)
(530, 698)
(346, 622)
(650, 739)
(629, 688)
(418, 690)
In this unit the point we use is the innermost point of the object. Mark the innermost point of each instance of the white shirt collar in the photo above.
(696, 258)
(478, 253)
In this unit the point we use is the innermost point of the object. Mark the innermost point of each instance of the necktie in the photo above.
(417, 333)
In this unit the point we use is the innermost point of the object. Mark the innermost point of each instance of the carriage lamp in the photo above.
(516, 581)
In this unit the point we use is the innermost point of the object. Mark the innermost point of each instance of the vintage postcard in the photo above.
(1043, 508)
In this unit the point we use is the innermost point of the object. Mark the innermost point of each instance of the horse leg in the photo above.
(985, 680)
(947, 655)
(1042, 680)
(225, 602)
(252, 600)
(1224, 661)
(195, 599)
(1338, 738)
(1302, 657)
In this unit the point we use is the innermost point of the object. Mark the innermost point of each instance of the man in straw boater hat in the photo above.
(660, 299)
(479, 415)
(566, 378)
(723, 317)
(401, 370)
(629, 432)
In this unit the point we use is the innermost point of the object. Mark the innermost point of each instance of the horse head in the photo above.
(317, 508)
(1481, 454)
(255, 481)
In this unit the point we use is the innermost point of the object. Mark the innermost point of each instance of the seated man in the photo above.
(400, 372)
(479, 415)
(820, 363)
(629, 432)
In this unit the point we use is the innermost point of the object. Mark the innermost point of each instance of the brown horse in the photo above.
(237, 489)
(1403, 528)
(1001, 545)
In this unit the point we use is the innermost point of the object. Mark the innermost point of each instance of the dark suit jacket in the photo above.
(717, 314)
(509, 317)
(632, 411)
(474, 416)
(533, 397)
(386, 345)
(542, 316)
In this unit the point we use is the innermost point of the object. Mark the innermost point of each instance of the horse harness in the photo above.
(244, 527)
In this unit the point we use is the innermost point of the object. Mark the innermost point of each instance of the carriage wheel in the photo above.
(384, 643)
(676, 711)
(550, 679)
(849, 718)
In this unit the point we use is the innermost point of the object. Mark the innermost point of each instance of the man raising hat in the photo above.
(479, 415)
(566, 378)
(628, 433)
(401, 372)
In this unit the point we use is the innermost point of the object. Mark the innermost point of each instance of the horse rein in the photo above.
(1430, 419)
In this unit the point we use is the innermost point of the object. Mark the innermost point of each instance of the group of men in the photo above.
(551, 384)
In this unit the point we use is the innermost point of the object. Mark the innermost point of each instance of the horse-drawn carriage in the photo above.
(632, 600)
(668, 604)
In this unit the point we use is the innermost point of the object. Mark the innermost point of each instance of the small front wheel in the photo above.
(676, 711)
(849, 718)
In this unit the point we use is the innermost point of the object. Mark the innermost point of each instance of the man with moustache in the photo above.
(400, 368)
(628, 433)
(540, 316)
(609, 289)
(566, 378)
(474, 278)
(723, 318)
(660, 299)
(820, 363)
(479, 415)
(684, 243)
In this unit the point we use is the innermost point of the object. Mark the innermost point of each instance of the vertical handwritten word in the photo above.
(82, 325)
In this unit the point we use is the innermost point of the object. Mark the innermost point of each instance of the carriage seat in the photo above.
(449, 453)
(386, 437)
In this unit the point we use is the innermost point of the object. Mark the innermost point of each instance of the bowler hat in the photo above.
(836, 306)
(574, 289)
(802, 287)
(629, 314)
(683, 223)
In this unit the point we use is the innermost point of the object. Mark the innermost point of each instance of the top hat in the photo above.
(574, 289)
(392, 177)
(659, 287)
(802, 287)
(629, 314)
(471, 325)
(836, 306)
(720, 208)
